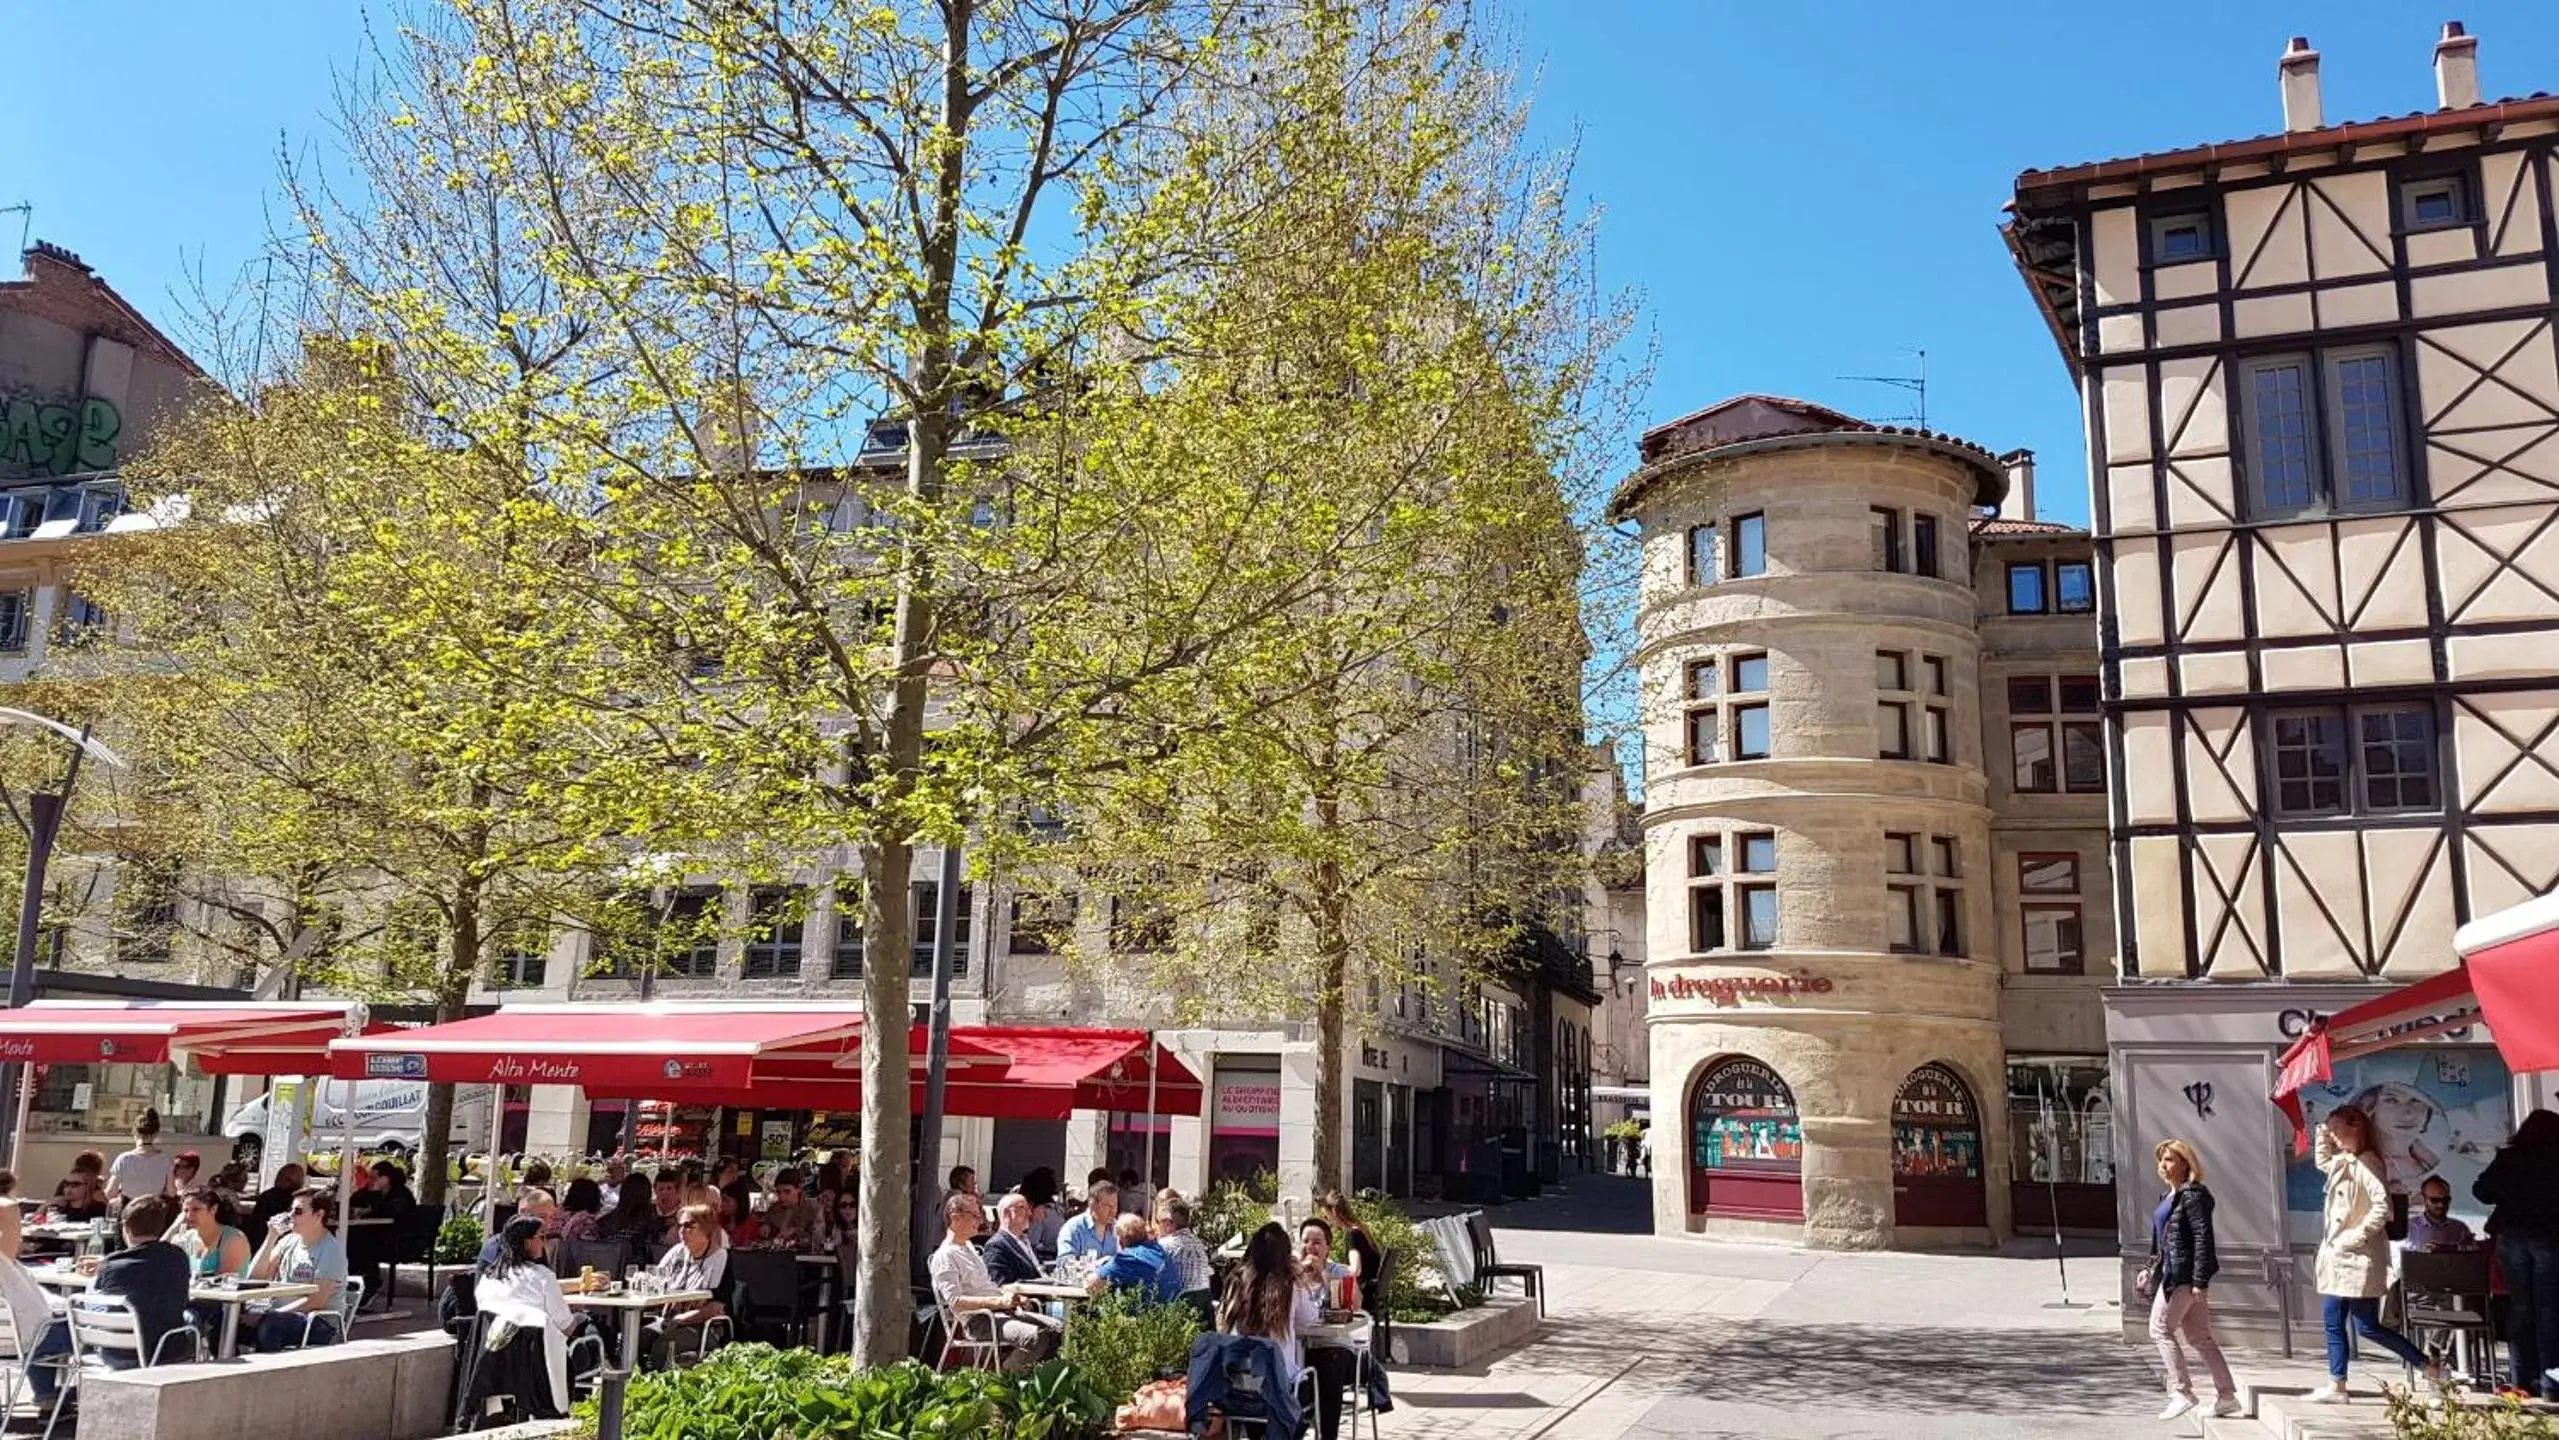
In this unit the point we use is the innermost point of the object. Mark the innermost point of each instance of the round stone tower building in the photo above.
(1823, 986)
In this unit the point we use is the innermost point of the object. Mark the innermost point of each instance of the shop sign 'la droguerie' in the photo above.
(1727, 992)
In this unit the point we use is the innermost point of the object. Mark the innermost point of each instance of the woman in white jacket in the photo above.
(2353, 1268)
(517, 1288)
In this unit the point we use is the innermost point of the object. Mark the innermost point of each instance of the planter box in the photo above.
(1468, 1337)
(395, 1388)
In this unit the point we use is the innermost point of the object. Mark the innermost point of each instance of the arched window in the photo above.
(1746, 1146)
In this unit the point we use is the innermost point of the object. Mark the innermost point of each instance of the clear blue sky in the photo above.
(1799, 191)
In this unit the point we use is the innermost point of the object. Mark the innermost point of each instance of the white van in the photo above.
(386, 1115)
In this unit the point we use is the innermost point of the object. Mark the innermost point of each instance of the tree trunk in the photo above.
(1333, 978)
(452, 997)
(888, 929)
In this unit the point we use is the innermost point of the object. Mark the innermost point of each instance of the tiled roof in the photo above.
(2539, 105)
(1764, 419)
(2000, 528)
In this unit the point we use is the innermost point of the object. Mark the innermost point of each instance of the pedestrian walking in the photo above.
(2353, 1268)
(2521, 1187)
(2183, 1262)
(1644, 1147)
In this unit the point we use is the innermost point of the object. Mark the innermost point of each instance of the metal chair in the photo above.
(341, 1310)
(1488, 1267)
(104, 1325)
(13, 1358)
(765, 1295)
(2447, 1291)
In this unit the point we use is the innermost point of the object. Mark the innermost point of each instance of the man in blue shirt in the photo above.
(1141, 1265)
(1090, 1232)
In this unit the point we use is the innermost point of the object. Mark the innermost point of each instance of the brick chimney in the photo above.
(2300, 71)
(2456, 67)
(2019, 503)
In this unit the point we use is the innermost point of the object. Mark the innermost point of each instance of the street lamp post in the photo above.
(42, 822)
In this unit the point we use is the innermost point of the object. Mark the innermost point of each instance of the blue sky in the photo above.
(1798, 192)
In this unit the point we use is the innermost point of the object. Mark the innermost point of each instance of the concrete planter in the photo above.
(1468, 1337)
(395, 1388)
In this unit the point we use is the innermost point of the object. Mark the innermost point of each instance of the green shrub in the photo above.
(756, 1392)
(2445, 1416)
(1233, 1209)
(1120, 1341)
(458, 1241)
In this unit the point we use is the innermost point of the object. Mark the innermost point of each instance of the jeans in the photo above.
(1332, 1368)
(2531, 1266)
(2187, 1314)
(2365, 1311)
(283, 1330)
(46, 1380)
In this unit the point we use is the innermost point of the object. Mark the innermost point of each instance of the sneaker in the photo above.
(2227, 1406)
(2177, 1405)
(2333, 1395)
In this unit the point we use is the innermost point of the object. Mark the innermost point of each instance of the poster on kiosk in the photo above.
(288, 1128)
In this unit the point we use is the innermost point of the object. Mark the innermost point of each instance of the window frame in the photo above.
(2043, 590)
(1711, 570)
(1923, 545)
(2355, 779)
(2456, 183)
(2332, 396)
(2158, 226)
(2275, 747)
(1742, 717)
(2324, 433)
(2088, 572)
(1892, 729)
(1750, 532)
(2030, 860)
(1893, 557)
(777, 953)
(2075, 960)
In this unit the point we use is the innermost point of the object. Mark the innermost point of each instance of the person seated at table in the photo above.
(144, 1169)
(30, 1309)
(1010, 1257)
(829, 1182)
(82, 1195)
(737, 1223)
(1140, 1267)
(1184, 1252)
(213, 1249)
(616, 1171)
(518, 1289)
(535, 1204)
(792, 1221)
(1268, 1297)
(699, 1260)
(301, 1251)
(961, 1287)
(963, 1182)
(184, 1167)
(1048, 1218)
(276, 1198)
(2433, 1226)
(581, 1209)
(1316, 1265)
(151, 1275)
(10, 1216)
(374, 1249)
(1090, 1233)
(632, 1219)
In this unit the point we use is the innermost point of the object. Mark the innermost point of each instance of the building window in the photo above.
(1932, 669)
(776, 926)
(2049, 886)
(846, 962)
(81, 618)
(691, 940)
(146, 906)
(1750, 673)
(1923, 545)
(2390, 767)
(1042, 922)
(2363, 466)
(1705, 720)
(1750, 545)
(1757, 902)
(1706, 893)
(1750, 732)
(2175, 239)
(1140, 927)
(523, 960)
(2074, 587)
(1886, 525)
(1900, 705)
(1889, 671)
(17, 607)
(2438, 202)
(1902, 892)
(2056, 739)
(2026, 589)
(1705, 562)
(1892, 730)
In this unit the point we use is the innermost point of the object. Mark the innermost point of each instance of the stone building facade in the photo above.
(2321, 389)
(1830, 943)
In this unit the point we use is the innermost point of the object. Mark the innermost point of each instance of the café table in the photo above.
(634, 1304)
(230, 1299)
(1353, 1335)
(82, 1234)
(1069, 1291)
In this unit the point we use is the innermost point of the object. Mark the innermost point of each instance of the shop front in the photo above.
(2197, 1061)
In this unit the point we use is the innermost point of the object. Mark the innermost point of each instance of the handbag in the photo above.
(2146, 1279)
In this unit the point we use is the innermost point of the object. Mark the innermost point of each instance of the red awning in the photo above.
(221, 1038)
(2504, 980)
(706, 1054)
(1052, 1071)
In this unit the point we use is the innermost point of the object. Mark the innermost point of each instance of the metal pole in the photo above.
(937, 1064)
(1149, 1207)
(44, 823)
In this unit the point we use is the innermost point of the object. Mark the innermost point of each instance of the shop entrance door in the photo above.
(1937, 1160)
(1399, 1140)
(1368, 1135)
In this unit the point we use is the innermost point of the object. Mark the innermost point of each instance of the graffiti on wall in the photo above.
(45, 437)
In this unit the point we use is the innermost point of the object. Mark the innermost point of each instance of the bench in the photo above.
(396, 1388)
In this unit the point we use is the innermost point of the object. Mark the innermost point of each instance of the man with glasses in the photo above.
(300, 1251)
(961, 1287)
(2434, 1227)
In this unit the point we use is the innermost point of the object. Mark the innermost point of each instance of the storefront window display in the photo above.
(1243, 1128)
(2436, 1111)
(2061, 1142)
(1746, 1145)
